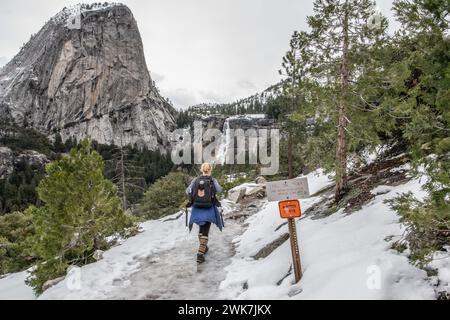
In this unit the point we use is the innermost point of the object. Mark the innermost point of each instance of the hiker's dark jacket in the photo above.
(202, 215)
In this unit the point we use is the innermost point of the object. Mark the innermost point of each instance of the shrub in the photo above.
(427, 223)
(81, 209)
(165, 196)
(16, 231)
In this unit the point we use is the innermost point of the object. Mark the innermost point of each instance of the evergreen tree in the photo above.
(165, 196)
(341, 39)
(17, 191)
(58, 145)
(126, 173)
(420, 87)
(419, 96)
(142, 167)
(295, 67)
(16, 232)
(80, 209)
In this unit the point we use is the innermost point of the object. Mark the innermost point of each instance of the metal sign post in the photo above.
(294, 249)
(290, 209)
(287, 192)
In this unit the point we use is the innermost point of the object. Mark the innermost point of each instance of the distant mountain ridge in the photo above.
(253, 104)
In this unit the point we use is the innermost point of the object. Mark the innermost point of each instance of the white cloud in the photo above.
(246, 84)
(223, 50)
(3, 61)
(157, 77)
(180, 97)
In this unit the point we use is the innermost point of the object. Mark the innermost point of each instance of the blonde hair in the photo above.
(206, 169)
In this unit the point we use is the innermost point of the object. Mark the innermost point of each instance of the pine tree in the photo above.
(295, 67)
(58, 145)
(80, 209)
(419, 96)
(342, 34)
(420, 87)
(126, 173)
(16, 232)
(165, 196)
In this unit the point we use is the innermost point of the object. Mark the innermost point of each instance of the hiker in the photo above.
(202, 192)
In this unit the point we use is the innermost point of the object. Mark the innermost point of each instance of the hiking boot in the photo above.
(200, 258)
(203, 247)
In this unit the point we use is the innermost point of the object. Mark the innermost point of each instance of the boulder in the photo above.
(98, 254)
(258, 192)
(269, 248)
(52, 282)
(247, 191)
(32, 157)
(237, 194)
(260, 180)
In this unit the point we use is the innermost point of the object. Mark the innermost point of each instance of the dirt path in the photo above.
(174, 273)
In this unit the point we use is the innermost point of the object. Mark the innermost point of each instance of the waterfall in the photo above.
(225, 142)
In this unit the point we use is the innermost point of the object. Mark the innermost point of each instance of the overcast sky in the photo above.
(196, 50)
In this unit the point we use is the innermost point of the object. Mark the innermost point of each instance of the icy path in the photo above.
(159, 263)
(174, 273)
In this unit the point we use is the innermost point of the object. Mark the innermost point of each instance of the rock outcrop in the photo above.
(247, 191)
(6, 162)
(8, 159)
(84, 73)
(244, 122)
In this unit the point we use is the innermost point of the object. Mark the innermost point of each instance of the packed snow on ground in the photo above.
(249, 188)
(343, 256)
(13, 287)
(103, 279)
(118, 263)
(441, 262)
(317, 180)
(368, 156)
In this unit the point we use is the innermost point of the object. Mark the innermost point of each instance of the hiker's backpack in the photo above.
(203, 192)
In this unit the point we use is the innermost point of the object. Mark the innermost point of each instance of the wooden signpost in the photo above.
(287, 192)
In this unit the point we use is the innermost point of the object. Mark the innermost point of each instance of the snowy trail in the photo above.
(339, 255)
(174, 273)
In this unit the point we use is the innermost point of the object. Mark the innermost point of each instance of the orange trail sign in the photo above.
(289, 209)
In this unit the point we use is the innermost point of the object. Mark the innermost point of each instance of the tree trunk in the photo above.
(122, 174)
(96, 243)
(341, 146)
(290, 156)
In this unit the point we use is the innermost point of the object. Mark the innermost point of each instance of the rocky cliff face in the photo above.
(244, 122)
(84, 73)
